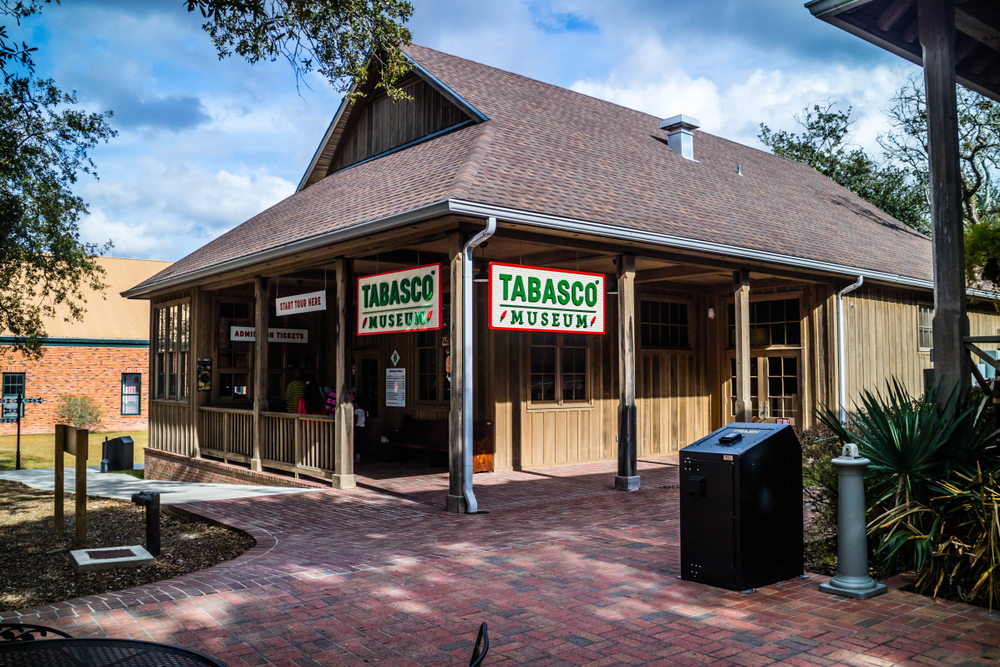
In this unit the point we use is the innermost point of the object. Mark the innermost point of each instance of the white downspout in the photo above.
(470, 499)
(841, 355)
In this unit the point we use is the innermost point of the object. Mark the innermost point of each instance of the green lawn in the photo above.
(38, 451)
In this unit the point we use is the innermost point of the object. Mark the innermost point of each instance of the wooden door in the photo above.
(775, 387)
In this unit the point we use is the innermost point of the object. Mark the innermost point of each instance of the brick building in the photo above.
(104, 356)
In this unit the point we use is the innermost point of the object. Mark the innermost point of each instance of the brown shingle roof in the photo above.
(551, 150)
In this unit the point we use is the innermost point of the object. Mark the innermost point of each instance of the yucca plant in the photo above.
(912, 444)
(961, 547)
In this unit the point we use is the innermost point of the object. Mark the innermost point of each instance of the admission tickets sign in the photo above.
(406, 300)
(529, 298)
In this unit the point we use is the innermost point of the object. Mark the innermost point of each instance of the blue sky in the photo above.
(205, 144)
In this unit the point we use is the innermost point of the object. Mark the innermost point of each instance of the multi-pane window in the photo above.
(233, 355)
(772, 323)
(13, 385)
(558, 367)
(131, 393)
(663, 324)
(925, 327)
(783, 387)
(172, 328)
(427, 366)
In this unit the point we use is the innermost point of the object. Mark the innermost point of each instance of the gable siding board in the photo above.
(384, 125)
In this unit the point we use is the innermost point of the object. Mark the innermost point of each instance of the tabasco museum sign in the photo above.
(407, 300)
(528, 298)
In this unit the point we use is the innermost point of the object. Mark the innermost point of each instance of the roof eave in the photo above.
(541, 220)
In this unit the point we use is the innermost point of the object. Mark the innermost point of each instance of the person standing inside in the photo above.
(312, 402)
(294, 391)
(360, 420)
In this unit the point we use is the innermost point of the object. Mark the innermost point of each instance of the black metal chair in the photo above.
(482, 641)
(26, 632)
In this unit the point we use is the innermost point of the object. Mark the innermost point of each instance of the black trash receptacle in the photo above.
(120, 453)
(741, 507)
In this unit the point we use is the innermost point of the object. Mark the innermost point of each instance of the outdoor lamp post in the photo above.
(852, 578)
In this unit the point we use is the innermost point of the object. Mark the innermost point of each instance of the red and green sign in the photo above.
(406, 300)
(530, 298)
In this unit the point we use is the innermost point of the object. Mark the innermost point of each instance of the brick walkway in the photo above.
(565, 570)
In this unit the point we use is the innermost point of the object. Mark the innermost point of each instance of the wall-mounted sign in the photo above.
(528, 298)
(300, 303)
(407, 300)
(395, 387)
(249, 334)
(204, 375)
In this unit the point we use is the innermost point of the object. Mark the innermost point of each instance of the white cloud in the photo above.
(769, 96)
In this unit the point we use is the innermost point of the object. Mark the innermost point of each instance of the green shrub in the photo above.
(79, 411)
(924, 452)
(820, 487)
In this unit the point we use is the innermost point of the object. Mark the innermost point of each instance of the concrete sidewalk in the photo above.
(111, 485)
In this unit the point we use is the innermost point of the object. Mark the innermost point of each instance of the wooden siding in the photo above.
(880, 336)
(383, 124)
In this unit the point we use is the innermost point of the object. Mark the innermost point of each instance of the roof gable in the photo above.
(376, 125)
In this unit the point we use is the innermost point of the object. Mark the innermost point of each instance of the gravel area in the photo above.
(35, 566)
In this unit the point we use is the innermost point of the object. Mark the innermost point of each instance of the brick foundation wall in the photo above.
(179, 468)
(91, 371)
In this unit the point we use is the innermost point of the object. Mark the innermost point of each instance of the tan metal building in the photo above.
(720, 267)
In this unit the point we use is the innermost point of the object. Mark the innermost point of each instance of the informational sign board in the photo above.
(406, 300)
(249, 334)
(395, 387)
(783, 420)
(529, 298)
(300, 303)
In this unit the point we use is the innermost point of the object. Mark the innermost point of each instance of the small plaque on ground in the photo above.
(110, 553)
(92, 560)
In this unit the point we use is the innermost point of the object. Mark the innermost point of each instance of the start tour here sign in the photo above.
(406, 300)
(529, 298)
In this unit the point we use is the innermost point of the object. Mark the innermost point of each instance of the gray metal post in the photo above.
(852, 578)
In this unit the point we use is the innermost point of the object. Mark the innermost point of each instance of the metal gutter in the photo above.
(684, 243)
(842, 346)
(822, 8)
(418, 214)
(82, 342)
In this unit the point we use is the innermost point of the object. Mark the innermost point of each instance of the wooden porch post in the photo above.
(627, 478)
(343, 447)
(936, 20)
(200, 328)
(260, 368)
(456, 470)
(741, 287)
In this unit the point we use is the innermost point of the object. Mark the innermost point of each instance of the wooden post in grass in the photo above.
(73, 440)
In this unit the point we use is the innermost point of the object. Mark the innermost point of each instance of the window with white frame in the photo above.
(131, 394)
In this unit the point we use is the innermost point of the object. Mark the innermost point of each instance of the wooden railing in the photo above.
(298, 443)
(971, 346)
(227, 433)
(170, 427)
(293, 443)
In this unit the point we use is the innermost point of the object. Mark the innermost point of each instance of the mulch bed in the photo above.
(35, 565)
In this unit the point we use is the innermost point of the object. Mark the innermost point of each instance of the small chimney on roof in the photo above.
(679, 134)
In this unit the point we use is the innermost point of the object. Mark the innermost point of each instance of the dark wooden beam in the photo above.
(911, 32)
(408, 257)
(951, 323)
(964, 46)
(978, 30)
(628, 470)
(558, 256)
(674, 273)
(982, 61)
(896, 10)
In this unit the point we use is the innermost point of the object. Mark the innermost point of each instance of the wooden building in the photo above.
(719, 265)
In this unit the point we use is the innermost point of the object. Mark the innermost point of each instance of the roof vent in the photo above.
(679, 135)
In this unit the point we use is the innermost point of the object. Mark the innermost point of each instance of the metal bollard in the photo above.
(151, 501)
(105, 464)
(852, 578)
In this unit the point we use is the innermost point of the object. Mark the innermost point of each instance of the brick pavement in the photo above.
(565, 570)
